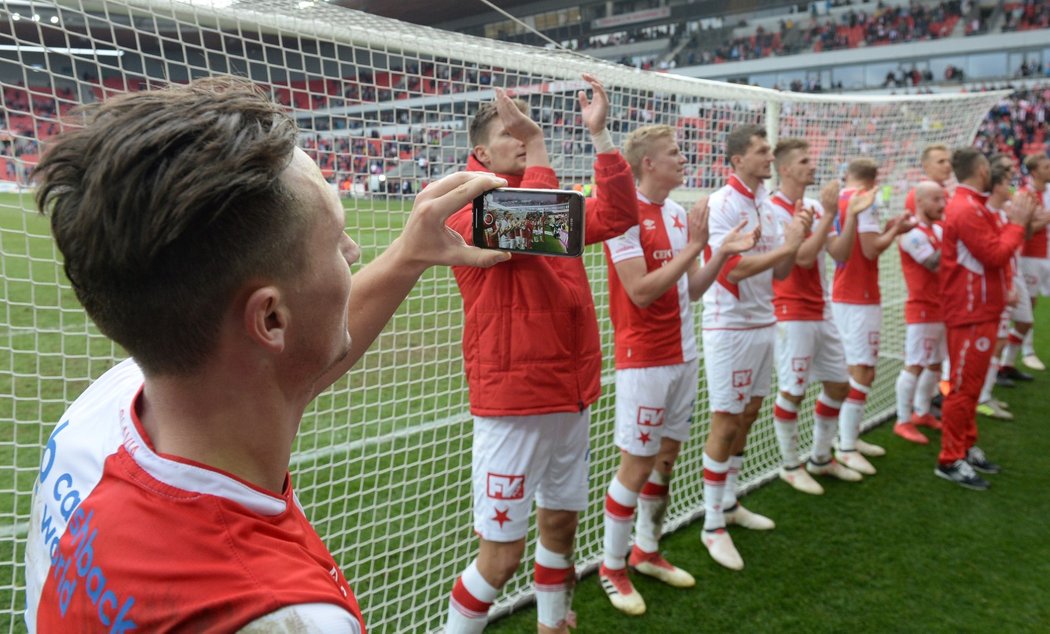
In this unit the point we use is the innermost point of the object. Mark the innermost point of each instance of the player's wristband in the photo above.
(603, 142)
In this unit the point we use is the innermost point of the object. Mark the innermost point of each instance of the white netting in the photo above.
(382, 462)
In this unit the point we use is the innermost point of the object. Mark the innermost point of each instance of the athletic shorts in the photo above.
(517, 458)
(808, 351)
(739, 365)
(925, 344)
(860, 326)
(1022, 312)
(654, 403)
(1036, 276)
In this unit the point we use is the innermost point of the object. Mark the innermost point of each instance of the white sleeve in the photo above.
(626, 246)
(868, 220)
(319, 618)
(720, 220)
(916, 244)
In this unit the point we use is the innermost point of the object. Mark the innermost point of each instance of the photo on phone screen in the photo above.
(532, 221)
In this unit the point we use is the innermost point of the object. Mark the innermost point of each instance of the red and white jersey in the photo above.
(857, 279)
(924, 285)
(662, 333)
(748, 303)
(909, 200)
(803, 295)
(1038, 246)
(123, 538)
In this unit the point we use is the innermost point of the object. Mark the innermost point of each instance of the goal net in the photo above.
(382, 461)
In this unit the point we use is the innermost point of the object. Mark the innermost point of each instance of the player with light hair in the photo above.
(936, 164)
(738, 331)
(808, 346)
(925, 347)
(856, 306)
(531, 403)
(202, 240)
(654, 276)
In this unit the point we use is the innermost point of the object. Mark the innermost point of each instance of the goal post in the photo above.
(382, 460)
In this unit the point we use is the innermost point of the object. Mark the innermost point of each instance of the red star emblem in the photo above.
(645, 437)
(739, 396)
(678, 222)
(502, 516)
(800, 380)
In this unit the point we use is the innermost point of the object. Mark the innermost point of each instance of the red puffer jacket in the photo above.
(530, 338)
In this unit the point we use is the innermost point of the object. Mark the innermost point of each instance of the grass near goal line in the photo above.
(902, 551)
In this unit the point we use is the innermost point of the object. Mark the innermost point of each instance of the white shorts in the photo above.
(1036, 276)
(1022, 312)
(860, 326)
(1004, 324)
(517, 458)
(925, 344)
(739, 365)
(654, 403)
(808, 351)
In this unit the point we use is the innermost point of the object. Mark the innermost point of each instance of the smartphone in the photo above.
(532, 221)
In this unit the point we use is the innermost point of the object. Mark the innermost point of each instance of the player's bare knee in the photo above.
(835, 390)
(498, 561)
(557, 529)
(796, 399)
(635, 470)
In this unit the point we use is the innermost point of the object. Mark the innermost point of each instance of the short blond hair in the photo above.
(930, 149)
(640, 142)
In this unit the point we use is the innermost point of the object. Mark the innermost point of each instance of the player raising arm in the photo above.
(531, 403)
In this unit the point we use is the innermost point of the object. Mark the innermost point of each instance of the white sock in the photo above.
(554, 581)
(619, 512)
(825, 424)
(851, 415)
(925, 389)
(785, 423)
(714, 488)
(652, 506)
(1014, 341)
(1029, 342)
(905, 395)
(469, 604)
(989, 381)
(729, 496)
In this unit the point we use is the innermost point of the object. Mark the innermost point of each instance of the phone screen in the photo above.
(533, 221)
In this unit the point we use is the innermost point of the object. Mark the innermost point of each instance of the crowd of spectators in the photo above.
(851, 29)
(1018, 125)
(1027, 15)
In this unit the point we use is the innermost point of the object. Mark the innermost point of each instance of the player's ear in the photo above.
(481, 153)
(266, 318)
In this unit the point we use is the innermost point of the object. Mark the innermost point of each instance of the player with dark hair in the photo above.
(202, 240)
(856, 306)
(738, 331)
(654, 277)
(976, 252)
(531, 403)
(808, 346)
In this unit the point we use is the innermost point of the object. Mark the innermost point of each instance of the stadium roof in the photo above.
(433, 12)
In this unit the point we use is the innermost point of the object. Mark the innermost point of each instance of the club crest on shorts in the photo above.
(741, 378)
(505, 487)
(873, 338)
(650, 416)
(983, 344)
(927, 346)
(799, 364)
